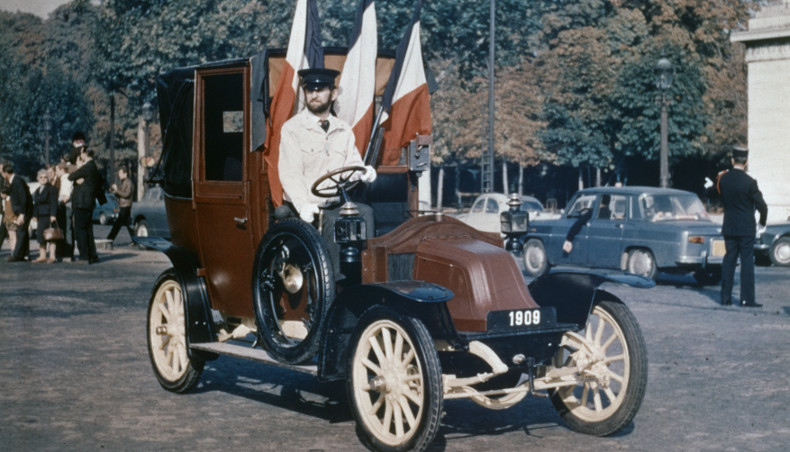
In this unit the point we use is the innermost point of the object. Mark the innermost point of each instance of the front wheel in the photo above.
(709, 276)
(167, 342)
(780, 252)
(394, 382)
(536, 263)
(641, 262)
(609, 360)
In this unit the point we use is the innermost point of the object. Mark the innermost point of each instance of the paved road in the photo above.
(75, 375)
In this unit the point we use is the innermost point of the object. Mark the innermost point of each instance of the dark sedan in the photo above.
(149, 216)
(642, 230)
(773, 245)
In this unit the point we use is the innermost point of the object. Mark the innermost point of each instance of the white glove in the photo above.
(370, 174)
(708, 182)
(760, 230)
(307, 212)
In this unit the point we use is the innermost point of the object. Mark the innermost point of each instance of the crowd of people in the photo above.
(62, 208)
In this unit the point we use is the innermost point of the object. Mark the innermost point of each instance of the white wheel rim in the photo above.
(389, 387)
(604, 377)
(167, 331)
(533, 258)
(641, 263)
(142, 231)
(782, 253)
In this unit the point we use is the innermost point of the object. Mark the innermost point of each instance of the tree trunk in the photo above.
(505, 185)
(440, 189)
(520, 179)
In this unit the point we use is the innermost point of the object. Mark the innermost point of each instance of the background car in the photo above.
(773, 245)
(485, 210)
(106, 213)
(149, 216)
(642, 230)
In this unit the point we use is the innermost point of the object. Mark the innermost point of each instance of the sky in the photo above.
(41, 8)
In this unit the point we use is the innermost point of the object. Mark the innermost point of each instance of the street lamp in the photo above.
(47, 129)
(664, 74)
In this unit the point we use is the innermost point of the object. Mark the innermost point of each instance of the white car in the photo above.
(484, 214)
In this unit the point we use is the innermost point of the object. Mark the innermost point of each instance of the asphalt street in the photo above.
(75, 375)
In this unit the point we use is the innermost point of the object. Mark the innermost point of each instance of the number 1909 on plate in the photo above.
(529, 317)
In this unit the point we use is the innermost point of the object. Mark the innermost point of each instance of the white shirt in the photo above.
(65, 189)
(307, 153)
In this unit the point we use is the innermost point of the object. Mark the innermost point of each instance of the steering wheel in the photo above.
(338, 181)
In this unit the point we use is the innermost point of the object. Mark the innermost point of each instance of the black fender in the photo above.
(422, 300)
(574, 292)
(199, 322)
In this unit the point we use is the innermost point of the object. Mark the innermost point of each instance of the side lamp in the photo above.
(514, 223)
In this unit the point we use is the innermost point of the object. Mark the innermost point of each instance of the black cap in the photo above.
(740, 153)
(318, 78)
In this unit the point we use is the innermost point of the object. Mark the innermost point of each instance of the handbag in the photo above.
(53, 232)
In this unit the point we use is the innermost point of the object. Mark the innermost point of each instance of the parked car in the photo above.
(428, 308)
(149, 216)
(642, 230)
(773, 245)
(106, 213)
(486, 208)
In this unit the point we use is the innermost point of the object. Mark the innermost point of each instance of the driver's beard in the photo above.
(319, 109)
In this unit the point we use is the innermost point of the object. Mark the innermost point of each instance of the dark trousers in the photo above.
(22, 248)
(124, 219)
(65, 247)
(83, 233)
(742, 246)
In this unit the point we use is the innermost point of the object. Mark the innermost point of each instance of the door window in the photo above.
(223, 127)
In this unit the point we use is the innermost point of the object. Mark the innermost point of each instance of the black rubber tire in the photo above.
(709, 276)
(641, 262)
(167, 341)
(779, 252)
(629, 343)
(424, 399)
(272, 302)
(536, 262)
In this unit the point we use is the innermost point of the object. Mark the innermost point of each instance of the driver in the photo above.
(313, 143)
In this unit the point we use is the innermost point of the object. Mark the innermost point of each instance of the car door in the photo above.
(222, 191)
(578, 256)
(606, 231)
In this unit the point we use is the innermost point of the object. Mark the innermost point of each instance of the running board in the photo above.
(254, 354)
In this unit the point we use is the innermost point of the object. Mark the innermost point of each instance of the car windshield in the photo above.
(672, 207)
(531, 206)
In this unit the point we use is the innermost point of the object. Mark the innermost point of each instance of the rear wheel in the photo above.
(780, 252)
(292, 288)
(536, 263)
(610, 361)
(167, 343)
(641, 262)
(394, 382)
(141, 228)
(708, 276)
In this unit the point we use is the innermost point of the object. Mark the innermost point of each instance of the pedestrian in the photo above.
(22, 207)
(124, 193)
(86, 180)
(9, 226)
(45, 209)
(5, 190)
(315, 142)
(65, 247)
(741, 197)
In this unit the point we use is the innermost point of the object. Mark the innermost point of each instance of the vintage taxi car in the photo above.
(642, 230)
(430, 309)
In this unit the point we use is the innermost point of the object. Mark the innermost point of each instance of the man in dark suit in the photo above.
(741, 198)
(87, 183)
(22, 205)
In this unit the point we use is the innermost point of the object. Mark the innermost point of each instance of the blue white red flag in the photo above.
(406, 104)
(357, 84)
(304, 51)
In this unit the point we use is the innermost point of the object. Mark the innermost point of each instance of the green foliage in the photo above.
(574, 79)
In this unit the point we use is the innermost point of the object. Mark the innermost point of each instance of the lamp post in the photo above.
(663, 72)
(148, 115)
(47, 129)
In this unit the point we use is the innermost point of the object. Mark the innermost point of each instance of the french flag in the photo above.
(406, 104)
(357, 85)
(304, 51)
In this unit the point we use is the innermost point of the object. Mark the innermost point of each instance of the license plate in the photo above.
(718, 248)
(522, 318)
